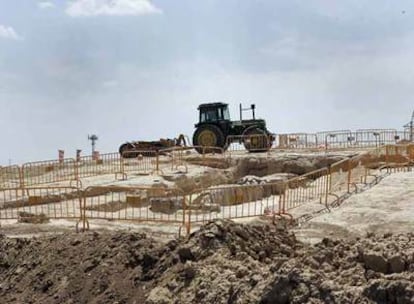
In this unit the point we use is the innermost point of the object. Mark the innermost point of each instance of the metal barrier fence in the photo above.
(305, 188)
(108, 163)
(324, 186)
(70, 170)
(159, 204)
(253, 142)
(144, 162)
(43, 172)
(363, 138)
(151, 162)
(375, 137)
(335, 138)
(181, 158)
(233, 201)
(142, 204)
(10, 176)
(50, 202)
(296, 141)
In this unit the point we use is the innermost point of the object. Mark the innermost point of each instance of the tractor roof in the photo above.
(212, 105)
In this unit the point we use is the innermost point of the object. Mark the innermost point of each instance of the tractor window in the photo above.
(225, 114)
(209, 115)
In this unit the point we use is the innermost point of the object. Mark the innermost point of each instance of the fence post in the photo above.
(82, 204)
(285, 194)
(387, 157)
(188, 210)
(328, 184)
(349, 174)
(21, 177)
(157, 162)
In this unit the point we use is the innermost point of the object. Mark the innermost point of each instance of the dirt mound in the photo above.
(224, 262)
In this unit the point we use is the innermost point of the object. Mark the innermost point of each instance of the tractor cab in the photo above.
(213, 112)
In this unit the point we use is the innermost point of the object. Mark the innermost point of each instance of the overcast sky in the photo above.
(137, 69)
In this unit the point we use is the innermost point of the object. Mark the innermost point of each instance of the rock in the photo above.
(255, 279)
(300, 294)
(397, 291)
(279, 292)
(397, 264)
(160, 295)
(26, 217)
(137, 201)
(375, 262)
(230, 195)
(189, 271)
(185, 254)
(157, 190)
(250, 180)
(167, 205)
(204, 203)
(242, 271)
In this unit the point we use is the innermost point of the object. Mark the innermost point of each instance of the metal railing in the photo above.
(46, 172)
(169, 205)
(51, 202)
(139, 204)
(10, 176)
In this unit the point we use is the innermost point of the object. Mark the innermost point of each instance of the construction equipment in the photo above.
(215, 129)
(150, 148)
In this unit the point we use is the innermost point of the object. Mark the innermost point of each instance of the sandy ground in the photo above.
(386, 207)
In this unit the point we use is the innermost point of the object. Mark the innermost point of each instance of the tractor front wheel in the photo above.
(207, 137)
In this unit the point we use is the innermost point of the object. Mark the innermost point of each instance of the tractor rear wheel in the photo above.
(256, 140)
(208, 136)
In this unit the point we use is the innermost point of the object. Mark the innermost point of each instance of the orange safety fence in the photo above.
(182, 157)
(397, 157)
(143, 204)
(233, 201)
(177, 157)
(10, 176)
(100, 164)
(309, 187)
(410, 151)
(170, 205)
(142, 163)
(52, 171)
(46, 202)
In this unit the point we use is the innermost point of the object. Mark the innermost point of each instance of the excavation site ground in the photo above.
(286, 226)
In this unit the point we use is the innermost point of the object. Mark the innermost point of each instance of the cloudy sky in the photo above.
(137, 69)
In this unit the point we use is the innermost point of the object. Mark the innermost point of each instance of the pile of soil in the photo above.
(224, 262)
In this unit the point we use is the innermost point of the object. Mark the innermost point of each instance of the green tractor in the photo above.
(216, 130)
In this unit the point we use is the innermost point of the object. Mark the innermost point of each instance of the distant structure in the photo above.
(93, 138)
(410, 127)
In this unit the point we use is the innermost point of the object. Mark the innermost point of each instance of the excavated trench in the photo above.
(224, 172)
(218, 173)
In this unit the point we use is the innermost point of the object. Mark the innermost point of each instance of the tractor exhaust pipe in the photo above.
(241, 112)
(252, 108)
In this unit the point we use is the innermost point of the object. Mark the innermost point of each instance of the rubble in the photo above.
(223, 262)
